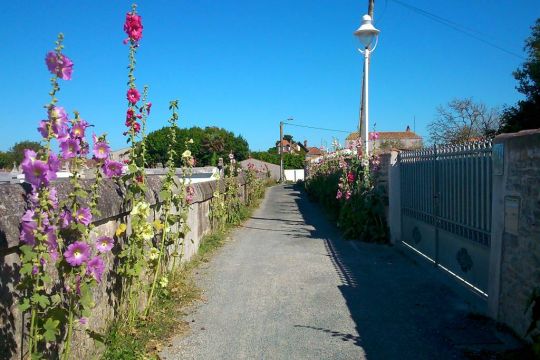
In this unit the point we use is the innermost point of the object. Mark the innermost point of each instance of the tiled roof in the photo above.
(314, 151)
(389, 135)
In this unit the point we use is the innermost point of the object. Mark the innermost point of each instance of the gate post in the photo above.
(435, 204)
(394, 198)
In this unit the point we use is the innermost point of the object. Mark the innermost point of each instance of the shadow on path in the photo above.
(402, 308)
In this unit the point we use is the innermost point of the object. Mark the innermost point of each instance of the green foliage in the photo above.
(290, 160)
(16, 153)
(526, 113)
(359, 215)
(209, 144)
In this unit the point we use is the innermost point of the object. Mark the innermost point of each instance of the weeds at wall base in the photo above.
(148, 336)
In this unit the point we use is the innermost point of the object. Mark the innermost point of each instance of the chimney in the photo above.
(305, 144)
(408, 129)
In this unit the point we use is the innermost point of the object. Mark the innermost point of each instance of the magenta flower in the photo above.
(133, 27)
(148, 107)
(58, 119)
(77, 253)
(350, 177)
(52, 244)
(53, 197)
(347, 195)
(96, 267)
(61, 66)
(70, 148)
(190, 193)
(36, 172)
(373, 135)
(77, 130)
(101, 150)
(83, 216)
(82, 321)
(339, 194)
(65, 219)
(133, 95)
(112, 168)
(104, 244)
(28, 225)
(43, 128)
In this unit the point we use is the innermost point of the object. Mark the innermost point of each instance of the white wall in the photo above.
(294, 175)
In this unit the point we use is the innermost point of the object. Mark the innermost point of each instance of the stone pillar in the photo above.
(394, 198)
(515, 228)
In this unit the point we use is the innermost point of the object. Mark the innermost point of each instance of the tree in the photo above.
(526, 113)
(463, 120)
(288, 137)
(209, 144)
(16, 153)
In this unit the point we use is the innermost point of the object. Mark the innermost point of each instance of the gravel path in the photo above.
(288, 287)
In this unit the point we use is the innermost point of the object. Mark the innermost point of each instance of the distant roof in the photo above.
(389, 135)
(314, 151)
(284, 142)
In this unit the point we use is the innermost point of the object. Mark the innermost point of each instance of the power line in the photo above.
(457, 27)
(317, 128)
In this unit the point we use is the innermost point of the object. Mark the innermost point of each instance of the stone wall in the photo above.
(515, 239)
(107, 295)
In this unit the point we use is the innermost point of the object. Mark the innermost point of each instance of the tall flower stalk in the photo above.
(134, 261)
(167, 196)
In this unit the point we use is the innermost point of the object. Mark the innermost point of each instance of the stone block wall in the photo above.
(515, 240)
(107, 295)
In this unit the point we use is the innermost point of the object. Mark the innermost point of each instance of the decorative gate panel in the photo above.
(446, 207)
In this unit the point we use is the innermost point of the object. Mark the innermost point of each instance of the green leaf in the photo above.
(164, 195)
(51, 329)
(25, 305)
(26, 269)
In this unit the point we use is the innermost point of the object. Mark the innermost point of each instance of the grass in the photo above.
(147, 337)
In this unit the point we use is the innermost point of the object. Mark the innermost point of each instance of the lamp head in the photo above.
(366, 33)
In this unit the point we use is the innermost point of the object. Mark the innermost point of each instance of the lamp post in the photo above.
(281, 169)
(368, 36)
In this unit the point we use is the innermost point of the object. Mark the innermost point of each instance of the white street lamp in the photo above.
(368, 36)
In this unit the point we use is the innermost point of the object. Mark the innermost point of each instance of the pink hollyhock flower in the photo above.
(350, 177)
(347, 195)
(148, 107)
(104, 244)
(43, 128)
(133, 27)
(36, 172)
(190, 194)
(101, 150)
(339, 194)
(77, 253)
(28, 225)
(82, 321)
(60, 66)
(83, 216)
(52, 244)
(96, 267)
(136, 127)
(112, 168)
(70, 148)
(373, 135)
(133, 95)
(53, 197)
(77, 130)
(65, 219)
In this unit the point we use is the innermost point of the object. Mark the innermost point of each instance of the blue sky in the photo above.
(246, 65)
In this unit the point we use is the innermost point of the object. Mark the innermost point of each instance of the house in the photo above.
(313, 153)
(385, 140)
(291, 146)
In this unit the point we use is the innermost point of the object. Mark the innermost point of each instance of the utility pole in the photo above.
(371, 7)
(281, 177)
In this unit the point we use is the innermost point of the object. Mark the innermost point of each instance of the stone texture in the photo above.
(519, 254)
(107, 295)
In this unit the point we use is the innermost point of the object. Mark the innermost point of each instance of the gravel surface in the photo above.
(287, 286)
